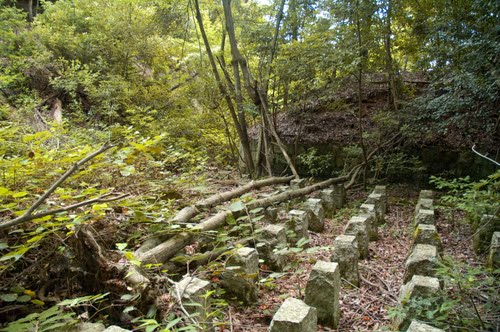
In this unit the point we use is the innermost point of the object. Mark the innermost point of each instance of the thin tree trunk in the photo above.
(360, 95)
(240, 127)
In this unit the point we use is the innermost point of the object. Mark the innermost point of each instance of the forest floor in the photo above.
(364, 308)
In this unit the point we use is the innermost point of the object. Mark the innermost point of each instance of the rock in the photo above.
(88, 327)
(269, 238)
(191, 292)
(346, 253)
(317, 215)
(114, 328)
(298, 183)
(426, 217)
(327, 198)
(294, 316)
(484, 231)
(369, 211)
(427, 194)
(241, 273)
(271, 214)
(418, 288)
(322, 292)
(427, 234)
(416, 326)
(377, 201)
(339, 196)
(424, 204)
(297, 225)
(494, 255)
(382, 190)
(422, 261)
(357, 226)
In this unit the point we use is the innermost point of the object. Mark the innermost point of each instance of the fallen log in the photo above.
(189, 212)
(169, 248)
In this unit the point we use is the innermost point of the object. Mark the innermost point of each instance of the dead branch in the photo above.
(28, 215)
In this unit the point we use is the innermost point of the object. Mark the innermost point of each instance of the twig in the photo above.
(28, 215)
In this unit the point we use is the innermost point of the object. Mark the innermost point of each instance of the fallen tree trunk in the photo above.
(228, 195)
(169, 248)
(189, 212)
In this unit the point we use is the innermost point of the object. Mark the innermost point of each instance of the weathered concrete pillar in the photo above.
(298, 183)
(424, 204)
(369, 210)
(377, 201)
(322, 292)
(339, 195)
(241, 273)
(297, 224)
(317, 214)
(416, 326)
(382, 190)
(427, 194)
(269, 238)
(427, 234)
(484, 231)
(271, 214)
(294, 316)
(346, 254)
(425, 216)
(191, 292)
(357, 226)
(422, 261)
(328, 201)
(494, 255)
(419, 287)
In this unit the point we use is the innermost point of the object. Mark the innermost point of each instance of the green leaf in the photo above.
(128, 170)
(8, 297)
(20, 194)
(237, 206)
(4, 191)
(3, 245)
(24, 298)
(121, 246)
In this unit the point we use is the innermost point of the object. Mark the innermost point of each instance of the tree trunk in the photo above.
(240, 127)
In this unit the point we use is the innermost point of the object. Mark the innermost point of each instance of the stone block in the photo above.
(241, 273)
(346, 254)
(426, 217)
(357, 226)
(427, 194)
(377, 201)
(339, 196)
(328, 201)
(191, 292)
(114, 328)
(298, 183)
(322, 292)
(87, 327)
(494, 255)
(382, 190)
(419, 287)
(416, 326)
(424, 204)
(484, 231)
(297, 225)
(422, 261)
(294, 316)
(369, 210)
(427, 234)
(269, 238)
(317, 214)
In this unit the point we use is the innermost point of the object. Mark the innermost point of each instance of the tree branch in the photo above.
(28, 215)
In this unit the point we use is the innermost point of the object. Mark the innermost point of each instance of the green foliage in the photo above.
(399, 166)
(56, 318)
(317, 165)
(474, 197)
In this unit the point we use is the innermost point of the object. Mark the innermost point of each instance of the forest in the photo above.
(249, 165)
